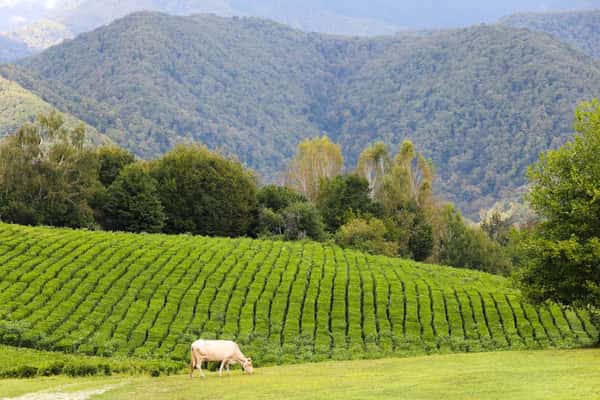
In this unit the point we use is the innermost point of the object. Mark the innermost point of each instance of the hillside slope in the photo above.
(481, 102)
(19, 106)
(580, 29)
(151, 295)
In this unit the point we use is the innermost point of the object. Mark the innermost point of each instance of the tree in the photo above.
(410, 179)
(302, 221)
(407, 198)
(562, 261)
(344, 196)
(373, 164)
(468, 247)
(205, 193)
(112, 160)
(133, 204)
(47, 175)
(278, 197)
(270, 223)
(316, 159)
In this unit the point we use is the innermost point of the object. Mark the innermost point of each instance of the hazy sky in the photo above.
(401, 13)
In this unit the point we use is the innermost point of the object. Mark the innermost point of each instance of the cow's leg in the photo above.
(221, 368)
(200, 367)
(228, 368)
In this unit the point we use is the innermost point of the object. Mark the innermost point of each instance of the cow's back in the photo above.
(216, 350)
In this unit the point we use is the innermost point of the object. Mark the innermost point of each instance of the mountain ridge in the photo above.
(482, 102)
(580, 29)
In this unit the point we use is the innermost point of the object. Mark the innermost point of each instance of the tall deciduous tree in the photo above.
(373, 164)
(407, 198)
(205, 193)
(316, 159)
(562, 260)
(410, 179)
(47, 176)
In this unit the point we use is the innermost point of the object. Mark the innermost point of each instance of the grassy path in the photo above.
(567, 374)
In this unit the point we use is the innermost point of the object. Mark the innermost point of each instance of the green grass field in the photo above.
(526, 375)
(149, 296)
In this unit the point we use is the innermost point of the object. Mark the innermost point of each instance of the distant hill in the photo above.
(581, 29)
(19, 106)
(481, 102)
(11, 50)
(41, 34)
(341, 17)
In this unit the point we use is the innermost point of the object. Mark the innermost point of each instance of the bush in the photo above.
(366, 235)
(302, 220)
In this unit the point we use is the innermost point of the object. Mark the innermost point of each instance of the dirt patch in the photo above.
(45, 395)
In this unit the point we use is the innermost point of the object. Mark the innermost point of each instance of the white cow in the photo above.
(226, 351)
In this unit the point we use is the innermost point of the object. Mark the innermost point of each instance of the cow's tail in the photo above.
(192, 362)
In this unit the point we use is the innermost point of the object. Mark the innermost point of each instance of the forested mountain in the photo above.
(50, 21)
(481, 102)
(19, 106)
(581, 29)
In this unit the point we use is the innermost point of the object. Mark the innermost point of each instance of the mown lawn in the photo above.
(567, 374)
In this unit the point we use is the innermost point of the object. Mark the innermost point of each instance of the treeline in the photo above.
(385, 206)
(48, 177)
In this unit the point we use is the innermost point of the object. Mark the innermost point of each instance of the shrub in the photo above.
(366, 235)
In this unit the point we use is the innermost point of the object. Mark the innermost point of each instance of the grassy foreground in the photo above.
(566, 374)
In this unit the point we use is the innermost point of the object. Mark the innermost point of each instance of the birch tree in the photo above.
(316, 159)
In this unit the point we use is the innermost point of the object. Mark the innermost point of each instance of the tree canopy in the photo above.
(47, 175)
(205, 193)
(562, 255)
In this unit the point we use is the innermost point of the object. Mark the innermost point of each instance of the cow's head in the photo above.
(247, 365)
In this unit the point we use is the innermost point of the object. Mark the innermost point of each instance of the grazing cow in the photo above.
(226, 351)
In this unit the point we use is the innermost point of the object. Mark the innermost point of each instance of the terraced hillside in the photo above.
(150, 295)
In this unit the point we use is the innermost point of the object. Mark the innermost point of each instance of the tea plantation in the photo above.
(149, 296)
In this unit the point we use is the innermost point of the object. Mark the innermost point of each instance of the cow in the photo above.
(226, 351)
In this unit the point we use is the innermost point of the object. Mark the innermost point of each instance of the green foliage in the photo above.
(343, 196)
(303, 221)
(47, 176)
(498, 227)
(28, 363)
(205, 193)
(270, 223)
(112, 160)
(254, 88)
(133, 204)
(278, 197)
(19, 106)
(562, 256)
(148, 296)
(469, 247)
(366, 235)
(580, 29)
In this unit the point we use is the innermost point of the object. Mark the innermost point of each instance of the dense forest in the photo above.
(468, 98)
(19, 106)
(580, 29)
